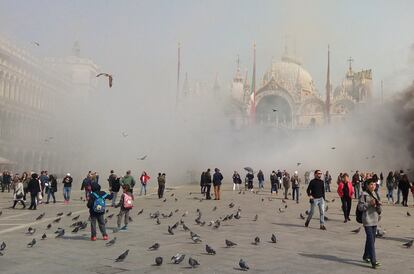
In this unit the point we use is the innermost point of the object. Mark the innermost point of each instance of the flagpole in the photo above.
(178, 74)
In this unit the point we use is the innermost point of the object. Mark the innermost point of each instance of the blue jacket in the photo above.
(217, 177)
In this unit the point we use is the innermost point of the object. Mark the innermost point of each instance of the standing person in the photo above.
(356, 179)
(376, 179)
(217, 178)
(44, 180)
(249, 178)
(33, 188)
(390, 187)
(316, 194)
(279, 176)
(6, 181)
(18, 194)
(207, 181)
(114, 186)
(52, 188)
(161, 185)
(25, 180)
(405, 188)
(126, 204)
(328, 181)
(87, 185)
(371, 208)
(202, 183)
(260, 178)
(273, 182)
(307, 177)
(295, 186)
(96, 205)
(345, 192)
(67, 187)
(398, 176)
(129, 181)
(286, 182)
(144, 179)
(236, 181)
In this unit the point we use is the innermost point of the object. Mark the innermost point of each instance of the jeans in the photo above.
(161, 191)
(114, 195)
(327, 187)
(236, 186)
(122, 213)
(66, 193)
(33, 198)
(346, 206)
(101, 224)
(295, 192)
(143, 187)
(286, 191)
(50, 193)
(356, 193)
(321, 204)
(390, 194)
(261, 184)
(398, 195)
(369, 252)
(273, 188)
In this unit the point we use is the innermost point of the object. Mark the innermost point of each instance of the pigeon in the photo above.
(379, 233)
(217, 225)
(243, 265)
(130, 219)
(273, 238)
(231, 205)
(175, 199)
(281, 210)
(75, 218)
(40, 216)
(408, 244)
(193, 262)
(170, 215)
(165, 200)
(83, 225)
(210, 251)
(2, 246)
(176, 210)
(158, 221)
(36, 43)
(301, 216)
(256, 240)
(214, 208)
(31, 231)
(48, 226)
(255, 218)
(298, 164)
(75, 230)
(110, 78)
(184, 214)
(154, 246)
(283, 201)
(408, 214)
(69, 214)
(237, 216)
(178, 258)
(326, 208)
(192, 234)
(59, 214)
(111, 242)
(170, 231)
(44, 236)
(158, 261)
(56, 220)
(333, 148)
(142, 158)
(122, 257)
(230, 243)
(356, 230)
(110, 216)
(172, 194)
(333, 200)
(274, 110)
(185, 227)
(196, 239)
(285, 206)
(32, 243)
(60, 234)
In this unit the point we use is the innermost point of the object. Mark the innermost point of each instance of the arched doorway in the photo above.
(274, 110)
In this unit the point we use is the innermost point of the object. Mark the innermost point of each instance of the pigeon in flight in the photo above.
(32, 243)
(158, 261)
(178, 258)
(143, 158)
(193, 262)
(154, 246)
(243, 265)
(110, 78)
(122, 257)
(36, 43)
(111, 242)
(210, 250)
(274, 110)
(230, 243)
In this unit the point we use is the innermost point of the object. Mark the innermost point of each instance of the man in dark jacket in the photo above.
(33, 188)
(260, 178)
(207, 182)
(316, 193)
(217, 178)
(273, 182)
(67, 187)
(96, 216)
(202, 183)
(161, 185)
(114, 186)
(6, 181)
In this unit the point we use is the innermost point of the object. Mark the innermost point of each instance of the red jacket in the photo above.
(341, 187)
(144, 179)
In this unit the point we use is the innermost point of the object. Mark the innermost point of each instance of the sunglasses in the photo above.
(318, 173)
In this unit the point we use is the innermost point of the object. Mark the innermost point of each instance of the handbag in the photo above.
(39, 196)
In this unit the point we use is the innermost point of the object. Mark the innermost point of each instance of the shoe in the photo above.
(93, 238)
(366, 260)
(349, 219)
(345, 221)
(105, 238)
(323, 227)
(376, 265)
(307, 223)
(124, 228)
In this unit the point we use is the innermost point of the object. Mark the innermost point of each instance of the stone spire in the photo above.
(328, 89)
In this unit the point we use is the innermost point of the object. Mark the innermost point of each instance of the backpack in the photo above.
(127, 201)
(99, 203)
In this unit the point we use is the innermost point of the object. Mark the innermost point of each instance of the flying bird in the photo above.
(158, 261)
(408, 244)
(274, 110)
(243, 265)
(193, 262)
(178, 258)
(111, 242)
(110, 78)
(122, 257)
(356, 230)
(210, 250)
(36, 43)
(273, 238)
(230, 243)
(143, 158)
(32, 243)
(154, 246)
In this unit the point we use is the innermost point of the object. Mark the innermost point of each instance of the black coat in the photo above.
(33, 187)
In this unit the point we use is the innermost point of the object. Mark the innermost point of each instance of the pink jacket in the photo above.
(341, 188)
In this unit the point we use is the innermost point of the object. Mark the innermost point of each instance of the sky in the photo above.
(138, 39)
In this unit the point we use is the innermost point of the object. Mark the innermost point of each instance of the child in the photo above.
(126, 205)
(96, 205)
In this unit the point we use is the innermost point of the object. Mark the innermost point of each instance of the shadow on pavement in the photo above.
(334, 259)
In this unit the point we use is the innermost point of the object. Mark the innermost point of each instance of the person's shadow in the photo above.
(335, 259)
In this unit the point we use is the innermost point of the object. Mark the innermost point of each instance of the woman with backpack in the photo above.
(345, 192)
(370, 207)
(96, 205)
(126, 205)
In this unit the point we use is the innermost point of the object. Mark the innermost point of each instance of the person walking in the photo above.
(33, 188)
(207, 182)
(260, 178)
(144, 179)
(316, 194)
(345, 192)
(371, 209)
(87, 185)
(249, 178)
(52, 189)
(6, 181)
(328, 181)
(161, 185)
(129, 181)
(405, 186)
(273, 182)
(126, 204)
(295, 180)
(202, 184)
(286, 183)
(67, 187)
(398, 176)
(217, 178)
(44, 180)
(236, 181)
(114, 186)
(390, 187)
(96, 205)
(18, 194)
(25, 181)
